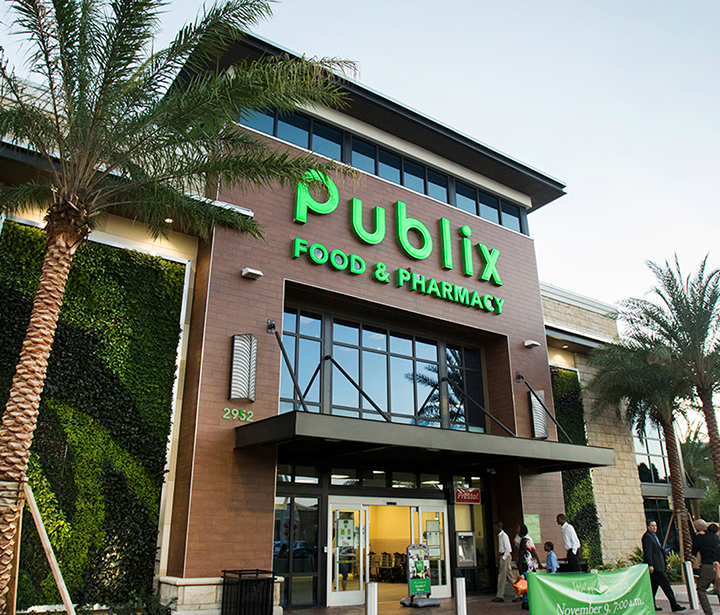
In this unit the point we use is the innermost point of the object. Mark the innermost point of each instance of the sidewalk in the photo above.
(481, 605)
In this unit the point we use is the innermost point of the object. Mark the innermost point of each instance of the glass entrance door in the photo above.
(355, 525)
(348, 565)
(434, 533)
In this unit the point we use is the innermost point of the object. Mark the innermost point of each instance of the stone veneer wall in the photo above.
(618, 497)
(578, 320)
(203, 596)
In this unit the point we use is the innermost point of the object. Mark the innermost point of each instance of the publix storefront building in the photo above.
(357, 381)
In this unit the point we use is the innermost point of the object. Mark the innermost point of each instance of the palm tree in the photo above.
(116, 126)
(686, 320)
(697, 462)
(636, 382)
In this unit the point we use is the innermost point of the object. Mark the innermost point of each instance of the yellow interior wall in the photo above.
(462, 517)
(389, 529)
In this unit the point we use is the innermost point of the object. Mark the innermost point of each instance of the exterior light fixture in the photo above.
(538, 416)
(531, 343)
(251, 274)
(243, 370)
(169, 220)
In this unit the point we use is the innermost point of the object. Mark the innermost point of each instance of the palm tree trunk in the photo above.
(676, 487)
(20, 418)
(712, 427)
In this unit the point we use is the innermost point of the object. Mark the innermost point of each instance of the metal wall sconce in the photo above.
(251, 274)
(531, 344)
(538, 416)
(243, 369)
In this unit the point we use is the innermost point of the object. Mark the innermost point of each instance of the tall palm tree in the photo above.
(117, 126)
(686, 320)
(637, 382)
(697, 462)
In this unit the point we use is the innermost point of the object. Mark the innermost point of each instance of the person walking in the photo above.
(572, 543)
(654, 556)
(505, 575)
(705, 543)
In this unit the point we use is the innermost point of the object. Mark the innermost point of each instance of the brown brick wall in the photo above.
(225, 497)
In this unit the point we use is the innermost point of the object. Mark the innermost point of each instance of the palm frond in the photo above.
(24, 197)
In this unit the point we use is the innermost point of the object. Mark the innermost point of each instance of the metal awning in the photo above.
(320, 439)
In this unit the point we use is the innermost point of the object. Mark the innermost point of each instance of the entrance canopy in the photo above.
(312, 439)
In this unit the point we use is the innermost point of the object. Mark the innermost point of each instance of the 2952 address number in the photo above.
(233, 414)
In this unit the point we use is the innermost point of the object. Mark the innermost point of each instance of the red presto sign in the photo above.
(467, 496)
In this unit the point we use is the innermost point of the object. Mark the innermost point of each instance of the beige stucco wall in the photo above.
(617, 488)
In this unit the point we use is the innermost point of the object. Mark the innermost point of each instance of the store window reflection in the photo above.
(651, 456)
(377, 373)
(295, 550)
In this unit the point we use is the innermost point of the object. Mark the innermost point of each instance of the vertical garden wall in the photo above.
(577, 484)
(98, 457)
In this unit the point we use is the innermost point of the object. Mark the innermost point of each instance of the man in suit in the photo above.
(657, 564)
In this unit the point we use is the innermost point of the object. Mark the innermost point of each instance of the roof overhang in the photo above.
(321, 439)
(397, 119)
(659, 490)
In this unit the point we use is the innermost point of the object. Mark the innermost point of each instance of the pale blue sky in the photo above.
(618, 99)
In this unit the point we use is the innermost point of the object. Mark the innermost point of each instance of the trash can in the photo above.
(247, 592)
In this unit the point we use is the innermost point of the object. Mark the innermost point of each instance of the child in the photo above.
(552, 563)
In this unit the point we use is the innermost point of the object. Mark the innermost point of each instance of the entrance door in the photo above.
(433, 532)
(348, 562)
(356, 524)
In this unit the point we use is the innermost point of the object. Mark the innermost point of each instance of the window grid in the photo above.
(313, 134)
(401, 373)
(651, 457)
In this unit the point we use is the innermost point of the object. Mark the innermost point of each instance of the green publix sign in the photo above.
(318, 254)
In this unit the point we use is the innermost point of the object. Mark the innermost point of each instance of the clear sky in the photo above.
(620, 100)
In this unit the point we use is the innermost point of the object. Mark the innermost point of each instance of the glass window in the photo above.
(327, 141)
(343, 391)
(437, 185)
(310, 324)
(295, 547)
(401, 386)
(309, 350)
(404, 480)
(511, 216)
(465, 198)
(389, 166)
(430, 481)
(465, 389)
(375, 478)
(363, 156)
(489, 207)
(426, 349)
(401, 344)
(374, 338)
(306, 475)
(289, 320)
(374, 380)
(346, 332)
(344, 477)
(287, 387)
(414, 176)
(294, 129)
(284, 473)
(264, 121)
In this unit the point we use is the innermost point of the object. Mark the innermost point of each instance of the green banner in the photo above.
(619, 592)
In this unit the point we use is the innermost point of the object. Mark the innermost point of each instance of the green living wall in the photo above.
(98, 457)
(580, 507)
